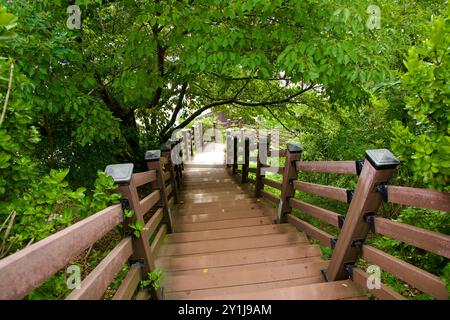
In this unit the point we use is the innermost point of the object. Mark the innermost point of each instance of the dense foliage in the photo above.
(75, 100)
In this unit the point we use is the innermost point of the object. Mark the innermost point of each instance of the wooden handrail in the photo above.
(129, 284)
(328, 216)
(150, 201)
(421, 198)
(143, 178)
(153, 224)
(431, 241)
(95, 284)
(335, 193)
(272, 183)
(339, 167)
(420, 279)
(26, 269)
(323, 237)
(360, 277)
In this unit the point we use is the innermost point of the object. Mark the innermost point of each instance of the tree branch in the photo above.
(177, 109)
(5, 105)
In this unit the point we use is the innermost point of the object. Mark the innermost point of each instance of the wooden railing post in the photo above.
(192, 140)
(166, 150)
(215, 131)
(123, 176)
(235, 154)
(174, 152)
(153, 160)
(378, 168)
(259, 186)
(186, 145)
(246, 163)
(293, 154)
(177, 153)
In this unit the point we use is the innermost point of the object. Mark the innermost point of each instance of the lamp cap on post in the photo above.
(294, 147)
(166, 147)
(382, 159)
(121, 173)
(153, 155)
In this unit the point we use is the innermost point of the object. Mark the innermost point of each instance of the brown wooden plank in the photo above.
(421, 198)
(311, 231)
(139, 179)
(335, 193)
(169, 190)
(218, 216)
(252, 206)
(270, 196)
(312, 210)
(152, 224)
(150, 201)
(238, 257)
(259, 241)
(223, 224)
(215, 198)
(318, 291)
(206, 293)
(272, 183)
(28, 268)
(159, 238)
(229, 233)
(251, 275)
(340, 167)
(192, 195)
(252, 170)
(171, 202)
(218, 204)
(384, 293)
(95, 284)
(129, 284)
(281, 262)
(418, 278)
(428, 240)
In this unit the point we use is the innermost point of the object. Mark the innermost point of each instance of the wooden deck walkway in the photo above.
(227, 240)
(225, 245)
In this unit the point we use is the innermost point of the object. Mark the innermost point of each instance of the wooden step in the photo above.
(250, 275)
(218, 204)
(195, 218)
(344, 289)
(222, 224)
(229, 233)
(188, 195)
(215, 198)
(206, 293)
(181, 211)
(238, 257)
(243, 267)
(259, 241)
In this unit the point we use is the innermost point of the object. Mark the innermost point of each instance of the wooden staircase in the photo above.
(225, 245)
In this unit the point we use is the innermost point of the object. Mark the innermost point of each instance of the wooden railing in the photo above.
(371, 190)
(27, 269)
